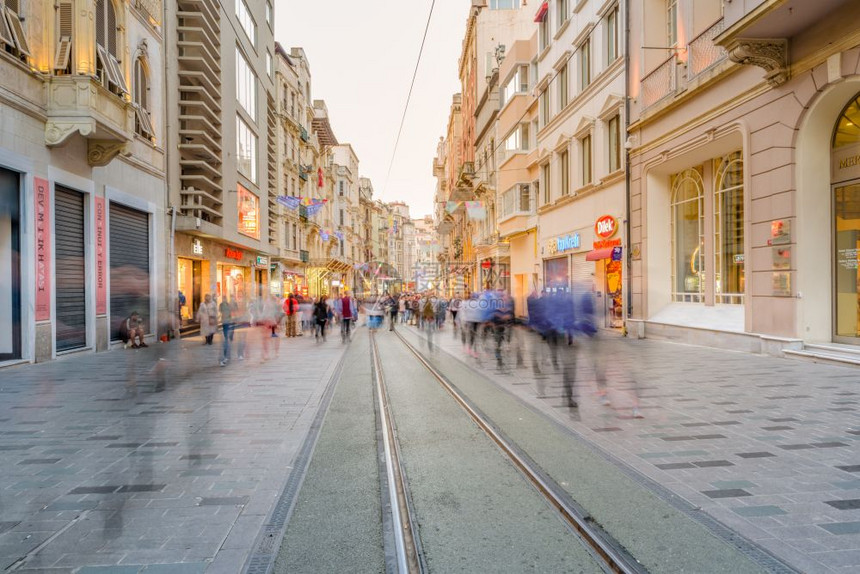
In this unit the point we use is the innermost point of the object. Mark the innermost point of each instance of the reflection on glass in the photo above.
(687, 235)
(847, 205)
(729, 229)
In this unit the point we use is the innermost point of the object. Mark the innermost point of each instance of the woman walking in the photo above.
(207, 316)
(321, 312)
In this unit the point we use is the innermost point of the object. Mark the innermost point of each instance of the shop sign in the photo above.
(780, 232)
(607, 243)
(233, 254)
(196, 247)
(262, 261)
(335, 283)
(101, 257)
(248, 206)
(616, 253)
(568, 242)
(606, 227)
(43, 249)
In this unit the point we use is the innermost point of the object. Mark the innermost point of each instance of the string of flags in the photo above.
(293, 202)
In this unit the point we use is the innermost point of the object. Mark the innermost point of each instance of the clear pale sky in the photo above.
(362, 56)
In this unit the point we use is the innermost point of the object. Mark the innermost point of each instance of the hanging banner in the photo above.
(314, 209)
(101, 257)
(43, 248)
(476, 210)
(451, 206)
(324, 235)
(289, 201)
(319, 177)
(339, 235)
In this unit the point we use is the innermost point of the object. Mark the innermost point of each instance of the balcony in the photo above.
(82, 104)
(703, 54)
(660, 83)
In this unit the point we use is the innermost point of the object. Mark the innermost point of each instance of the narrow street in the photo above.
(278, 462)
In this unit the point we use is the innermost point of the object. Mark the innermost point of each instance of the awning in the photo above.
(599, 254)
(541, 13)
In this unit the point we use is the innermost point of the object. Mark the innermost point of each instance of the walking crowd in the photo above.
(560, 335)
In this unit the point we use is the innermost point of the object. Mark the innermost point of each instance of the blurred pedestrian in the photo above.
(320, 313)
(226, 311)
(291, 312)
(207, 316)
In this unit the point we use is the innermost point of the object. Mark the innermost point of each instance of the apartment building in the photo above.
(581, 194)
(518, 173)
(744, 177)
(299, 171)
(223, 131)
(82, 169)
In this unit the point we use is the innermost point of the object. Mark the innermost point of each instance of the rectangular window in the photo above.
(612, 36)
(564, 163)
(270, 64)
(246, 150)
(504, 4)
(614, 144)
(246, 85)
(246, 21)
(585, 64)
(340, 187)
(563, 83)
(341, 217)
(586, 160)
(546, 182)
(519, 83)
(543, 30)
(563, 12)
(518, 140)
(544, 107)
(248, 206)
(269, 13)
(672, 22)
(525, 198)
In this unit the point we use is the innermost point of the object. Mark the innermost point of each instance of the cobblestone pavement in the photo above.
(768, 447)
(155, 460)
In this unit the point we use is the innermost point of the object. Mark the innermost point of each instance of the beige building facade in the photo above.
(743, 144)
(82, 175)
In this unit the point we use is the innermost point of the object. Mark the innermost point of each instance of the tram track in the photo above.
(608, 553)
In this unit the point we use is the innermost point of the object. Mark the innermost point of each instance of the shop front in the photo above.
(607, 255)
(845, 179)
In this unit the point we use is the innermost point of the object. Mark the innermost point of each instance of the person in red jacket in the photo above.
(291, 310)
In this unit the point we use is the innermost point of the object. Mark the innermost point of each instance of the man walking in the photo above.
(291, 309)
(226, 310)
(348, 312)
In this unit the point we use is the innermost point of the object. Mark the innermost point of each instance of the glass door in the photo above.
(10, 267)
(847, 263)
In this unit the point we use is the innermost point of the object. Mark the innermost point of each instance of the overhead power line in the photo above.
(408, 98)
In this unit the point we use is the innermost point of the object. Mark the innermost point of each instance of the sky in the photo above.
(362, 56)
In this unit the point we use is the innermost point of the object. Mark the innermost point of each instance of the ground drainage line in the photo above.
(615, 559)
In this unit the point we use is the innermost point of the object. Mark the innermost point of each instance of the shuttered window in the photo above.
(143, 124)
(108, 67)
(12, 32)
(70, 269)
(129, 266)
(63, 54)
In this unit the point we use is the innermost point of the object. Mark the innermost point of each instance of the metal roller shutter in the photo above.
(129, 266)
(582, 271)
(70, 267)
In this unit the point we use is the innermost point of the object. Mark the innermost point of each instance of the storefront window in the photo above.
(847, 205)
(557, 275)
(249, 213)
(729, 229)
(688, 267)
(848, 128)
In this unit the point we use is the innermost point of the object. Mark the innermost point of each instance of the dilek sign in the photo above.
(605, 229)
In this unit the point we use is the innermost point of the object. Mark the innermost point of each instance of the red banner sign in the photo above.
(43, 249)
(101, 257)
(233, 254)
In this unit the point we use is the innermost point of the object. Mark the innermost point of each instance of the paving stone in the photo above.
(842, 528)
(761, 454)
(759, 511)
(674, 465)
(726, 493)
(851, 504)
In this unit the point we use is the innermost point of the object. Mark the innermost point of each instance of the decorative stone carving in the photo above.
(101, 152)
(56, 133)
(771, 54)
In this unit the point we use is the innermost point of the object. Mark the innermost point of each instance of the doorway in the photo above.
(846, 204)
(10, 266)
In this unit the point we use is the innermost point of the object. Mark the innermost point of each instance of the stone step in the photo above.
(833, 354)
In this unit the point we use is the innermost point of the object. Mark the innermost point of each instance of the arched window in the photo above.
(688, 241)
(108, 67)
(729, 229)
(140, 84)
(848, 127)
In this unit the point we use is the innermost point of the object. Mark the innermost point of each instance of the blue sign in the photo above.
(616, 253)
(568, 242)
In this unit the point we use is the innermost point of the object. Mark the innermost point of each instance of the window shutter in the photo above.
(100, 24)
(65, 14)
(144, 121)
(64, 50)
(117, 72)
(17, 31)
(106, 64)
(5, 32)
(111, 29)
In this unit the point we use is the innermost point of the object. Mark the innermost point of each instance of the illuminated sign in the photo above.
(196, 247)
(262, 261)
(248, 206)
(233, 254)
(568, 242)
(606, 227)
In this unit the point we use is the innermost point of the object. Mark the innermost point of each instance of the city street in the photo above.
(105, 470)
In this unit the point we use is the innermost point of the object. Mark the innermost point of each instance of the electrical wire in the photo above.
(408, 98)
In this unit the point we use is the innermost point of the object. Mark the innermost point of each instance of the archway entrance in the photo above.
(845, 184)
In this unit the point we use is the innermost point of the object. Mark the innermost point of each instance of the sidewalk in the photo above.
(103, 466)
(765, 446)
